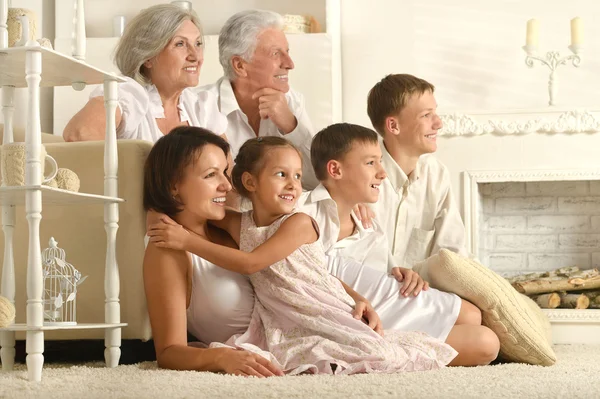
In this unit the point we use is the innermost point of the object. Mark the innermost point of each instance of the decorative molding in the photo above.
(497, 176)
(575, 121)
(573, 315)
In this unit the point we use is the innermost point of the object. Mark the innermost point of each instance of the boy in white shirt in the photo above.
(347, 161)
(416, 208)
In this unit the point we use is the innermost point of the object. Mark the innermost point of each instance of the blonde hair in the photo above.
(146, 35)
(390, 95)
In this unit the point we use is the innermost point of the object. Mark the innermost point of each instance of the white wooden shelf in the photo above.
(79, 326)
(32, 67)
(12, 69)
(15, 195)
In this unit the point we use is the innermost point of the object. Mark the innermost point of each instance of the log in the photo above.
(547, 301)
(562, 272)
(583, 280)
(573, 301)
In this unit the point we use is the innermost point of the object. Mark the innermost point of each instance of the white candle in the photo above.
(533, 33)
(576, 32)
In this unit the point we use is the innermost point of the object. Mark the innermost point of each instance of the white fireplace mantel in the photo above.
(549, 120)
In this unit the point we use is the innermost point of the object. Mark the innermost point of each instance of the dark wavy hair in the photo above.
(167, 161)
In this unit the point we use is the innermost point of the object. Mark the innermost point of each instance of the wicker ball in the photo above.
(52, 183)
(67, 180)
(7, 312)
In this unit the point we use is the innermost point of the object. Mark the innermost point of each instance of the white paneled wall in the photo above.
(538, 226)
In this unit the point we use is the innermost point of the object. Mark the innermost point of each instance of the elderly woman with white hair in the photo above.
(254, 94)
(160, 54)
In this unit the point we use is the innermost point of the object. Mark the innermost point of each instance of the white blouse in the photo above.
(418, 213)
(141, 105)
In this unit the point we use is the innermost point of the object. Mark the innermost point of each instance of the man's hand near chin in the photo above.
(273, 105)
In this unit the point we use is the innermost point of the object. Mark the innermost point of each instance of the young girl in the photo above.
(304, 319)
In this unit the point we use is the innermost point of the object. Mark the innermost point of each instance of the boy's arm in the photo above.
(294, 232)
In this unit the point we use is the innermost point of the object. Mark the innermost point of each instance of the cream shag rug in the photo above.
(576, 375)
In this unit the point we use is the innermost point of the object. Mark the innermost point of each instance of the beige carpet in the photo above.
(576, 375)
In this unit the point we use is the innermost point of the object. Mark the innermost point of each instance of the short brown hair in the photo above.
(167, 161)
(250, 158)
(334, 142)
(390, 95)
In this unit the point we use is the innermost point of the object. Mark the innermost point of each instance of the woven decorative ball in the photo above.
(52, 183)
(7, 312)
(67, 180)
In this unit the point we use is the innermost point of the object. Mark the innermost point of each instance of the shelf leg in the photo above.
(7, 287)
(7, 290)
(33, 211)
(112, 307)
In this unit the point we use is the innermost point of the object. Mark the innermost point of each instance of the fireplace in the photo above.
(526, 221)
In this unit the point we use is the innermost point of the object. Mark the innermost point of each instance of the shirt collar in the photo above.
(227, 101)
(394, 172)
(156, 107)
(318, 194)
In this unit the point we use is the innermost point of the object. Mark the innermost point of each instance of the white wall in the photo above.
(469, 49)
(99, 13)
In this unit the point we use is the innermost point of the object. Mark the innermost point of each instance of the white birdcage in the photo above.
(60, 286)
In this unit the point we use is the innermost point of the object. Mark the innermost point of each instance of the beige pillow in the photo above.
(521, 326)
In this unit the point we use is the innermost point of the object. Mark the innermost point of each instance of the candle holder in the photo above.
(552, 61)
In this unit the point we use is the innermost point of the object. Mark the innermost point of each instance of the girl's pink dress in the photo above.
(302, 319)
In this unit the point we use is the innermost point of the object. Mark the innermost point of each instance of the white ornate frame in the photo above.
(569, 326)
(549, 121)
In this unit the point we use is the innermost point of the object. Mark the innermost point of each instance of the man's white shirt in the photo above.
(239, 130)
(418, 213)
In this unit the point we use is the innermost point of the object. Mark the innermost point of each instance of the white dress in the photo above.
(302, 320)
(141, 105)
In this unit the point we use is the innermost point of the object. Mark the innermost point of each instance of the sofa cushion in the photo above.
(19, 136)
(522, 328)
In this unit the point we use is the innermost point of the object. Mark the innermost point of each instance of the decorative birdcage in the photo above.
(61, 280)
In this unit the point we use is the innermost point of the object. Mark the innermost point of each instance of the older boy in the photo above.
(416, 208)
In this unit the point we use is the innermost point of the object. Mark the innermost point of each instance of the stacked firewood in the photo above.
(567, 287)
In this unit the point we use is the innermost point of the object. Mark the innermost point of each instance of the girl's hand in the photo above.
(364, 310)
(241, 362)
(365, 215)
(412, 282)
(169, 234)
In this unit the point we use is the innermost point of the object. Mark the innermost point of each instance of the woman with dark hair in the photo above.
(185, 178)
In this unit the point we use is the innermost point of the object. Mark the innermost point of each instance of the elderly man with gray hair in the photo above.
(254, 94)
(160, 55)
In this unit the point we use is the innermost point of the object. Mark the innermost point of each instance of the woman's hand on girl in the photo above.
(241, 362)
(169, 234)
(364, 310)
